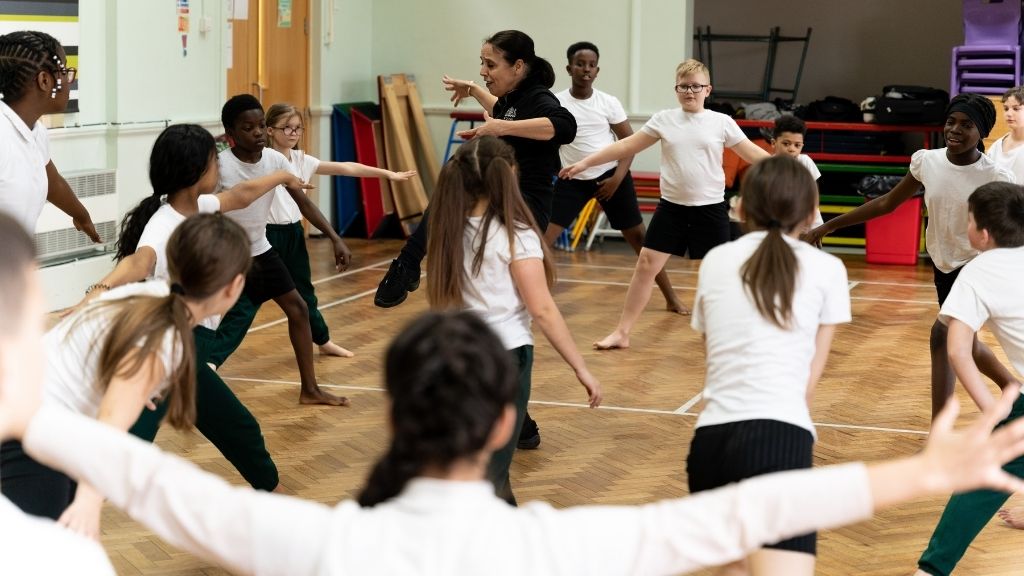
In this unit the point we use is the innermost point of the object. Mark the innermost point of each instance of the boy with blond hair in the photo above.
(693, 215)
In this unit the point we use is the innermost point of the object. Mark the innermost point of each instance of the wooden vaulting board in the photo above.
(407, 145)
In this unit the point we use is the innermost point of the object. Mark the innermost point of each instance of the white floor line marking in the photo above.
(629, 268)
(323, 307)
(852, 285)
(676, 412)
(689, 404)
(350, 272)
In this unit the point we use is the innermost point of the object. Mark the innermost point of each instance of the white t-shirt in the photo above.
(946, 189)
(756, 370)
(806, 162)
(254, 217)
(160, 226)
(988, 290)
(24, 154)
(73, 347)
(594, 118)
(284, 210)
(1012, 160)
(691, 154)
(492, 292)
(33, 545)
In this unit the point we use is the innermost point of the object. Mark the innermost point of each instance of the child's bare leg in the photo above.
(635, 237)
(989, 365)
(639, 293)
(1014, 517)
(943, 377)
(331, 349)
(768, 561)
(552, 233)
(301, 337)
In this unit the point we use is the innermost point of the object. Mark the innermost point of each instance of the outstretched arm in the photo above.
(880, 206)
(342, 255)
(531, 282)
(246, 192)
(122, 403)
(357, 170)
(60, 194)
(134, 268)
(462, 89)
(622, 149)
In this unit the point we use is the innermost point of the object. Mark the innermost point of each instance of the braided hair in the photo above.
(23, 54)
(449, 379)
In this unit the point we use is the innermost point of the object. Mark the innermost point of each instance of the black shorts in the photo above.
(622, 209)
(678, 229)
(726, 453)
(268, 278)
(944, 282)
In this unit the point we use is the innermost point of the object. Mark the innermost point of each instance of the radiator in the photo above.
(56, 238)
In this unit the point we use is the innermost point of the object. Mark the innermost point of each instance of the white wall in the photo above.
(856, 47)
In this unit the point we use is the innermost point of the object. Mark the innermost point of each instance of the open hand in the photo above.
(87, 228)
(460, 89)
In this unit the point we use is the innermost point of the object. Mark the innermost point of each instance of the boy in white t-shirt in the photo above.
(693, 215)
(788, 138)
(600, 121)
(987, 291)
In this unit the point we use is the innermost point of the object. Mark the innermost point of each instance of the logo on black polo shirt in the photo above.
(510, 114)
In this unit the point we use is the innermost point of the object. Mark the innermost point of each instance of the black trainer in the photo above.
(397, 283)
(529, 436)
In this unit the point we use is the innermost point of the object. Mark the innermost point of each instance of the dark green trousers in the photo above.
(501, 461)
(965, 516)
(223, 420)
(288, 240)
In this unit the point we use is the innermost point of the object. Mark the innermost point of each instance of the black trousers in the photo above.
(36, 489)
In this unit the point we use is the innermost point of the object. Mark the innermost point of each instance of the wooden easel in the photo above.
(407, 145)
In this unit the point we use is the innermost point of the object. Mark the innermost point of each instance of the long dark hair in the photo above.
(205, 253)
(449, 379)
(778, 194)
(482, 168)
(23, 54)
(180, 156)
(16, 257)
(515, 45)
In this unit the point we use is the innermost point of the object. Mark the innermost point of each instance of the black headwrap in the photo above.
(978, 108)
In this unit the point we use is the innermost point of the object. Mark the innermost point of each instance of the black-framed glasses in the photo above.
(296, 131)
(690, 88)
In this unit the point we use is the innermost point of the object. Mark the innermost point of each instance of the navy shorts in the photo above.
(268, 278)
(622, 209)
(694, 230)
(726, 453)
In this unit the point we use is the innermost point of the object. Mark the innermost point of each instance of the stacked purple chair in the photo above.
(989, 60)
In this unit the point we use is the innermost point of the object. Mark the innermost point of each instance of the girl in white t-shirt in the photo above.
(35, 79)
(284, 230)
(693, 215)
(1006, 151)
(486, 255)
(183, 173)
(767, 305)
(949, 176)
(123, 351)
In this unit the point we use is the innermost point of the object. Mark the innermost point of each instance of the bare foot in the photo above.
(612, 341)
(676, 305)
(332, 349)
(1014, 517)
(318, 396)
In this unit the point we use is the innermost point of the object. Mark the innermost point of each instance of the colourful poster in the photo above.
(183, 25)
(284, 13)
(58, 18)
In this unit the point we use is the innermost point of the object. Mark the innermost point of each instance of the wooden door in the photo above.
(270, 54)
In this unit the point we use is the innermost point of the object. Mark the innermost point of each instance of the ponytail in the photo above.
(133, 224)
(777, 195)
(541, 72)
(449, 379)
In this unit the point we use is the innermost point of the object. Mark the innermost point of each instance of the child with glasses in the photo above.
(693, 215)
(284, 228)
(34, 80)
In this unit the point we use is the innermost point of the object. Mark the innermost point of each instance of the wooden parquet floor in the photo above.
(872, 403)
